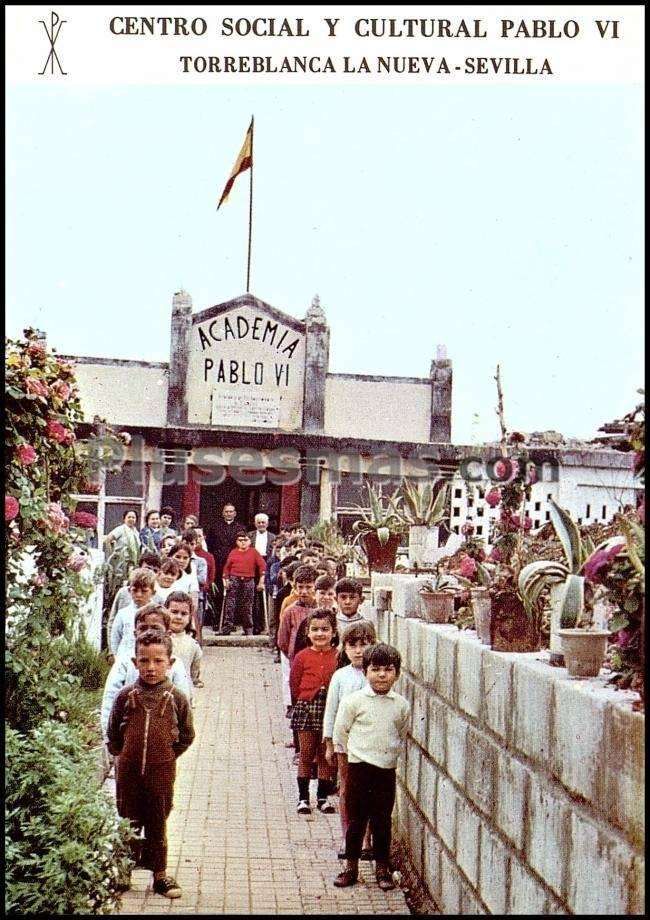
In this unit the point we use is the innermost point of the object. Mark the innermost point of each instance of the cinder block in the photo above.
(445, 681)
(469, 674)
(446, 801)
(409, 599)
(480, 777)
(533, 689)
(510, 798)
(383, 620)
(456, 729)
(449, 885)
(404, 686)
(527, 896)
(493, 872)
(469, 903)
(415, 641)
(468, 829)
(548, 848)
(420, 714)
(437, 730)
(428, 789)
(412, 769)
(401, 765)
(600, 870)
(399, 812)
(401, 636)
(429, 653)
(623, 787)
(431, 868)
(496, 711)
(415, 837)
(577, 744)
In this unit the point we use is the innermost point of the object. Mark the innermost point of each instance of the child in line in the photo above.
(288, 574)
(371, 726)
(349, 595)
(150, 726)
(311, 672)
(124, 672)
(142, 586)
(122, 599)
(188, 581)
(346, 680)
(167, 579)
(242, 574)
(325, 596)
(304, 590)
(184, 645)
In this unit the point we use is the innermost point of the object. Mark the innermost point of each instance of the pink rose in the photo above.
(26, 454)
(56, 519)
(493, 497)
(505, 470)
(467, 529)
(11, 508)
(62, 390)
(39, 579)
(59, 432)
(36, 387)
(76, 562)
(495, 555)
(36, 351)
(467, 567)
(517, 438)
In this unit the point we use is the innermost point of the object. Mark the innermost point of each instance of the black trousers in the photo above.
(370, 797)
(258, 613)
(146, 801)
(239, 603)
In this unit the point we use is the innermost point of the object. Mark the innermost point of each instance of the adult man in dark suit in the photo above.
(262, 540)
(223, 536)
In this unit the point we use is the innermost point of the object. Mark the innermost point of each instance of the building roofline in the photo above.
(114, 362)
(247, 300)
(382, 378)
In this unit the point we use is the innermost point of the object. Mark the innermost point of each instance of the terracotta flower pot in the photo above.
(512, 629)
(584, 651)
(482, 609)
(437, 606)
(381, 556)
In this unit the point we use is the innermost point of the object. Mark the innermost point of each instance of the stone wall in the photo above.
(521, 790)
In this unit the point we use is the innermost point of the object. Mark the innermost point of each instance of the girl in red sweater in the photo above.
(311, 672)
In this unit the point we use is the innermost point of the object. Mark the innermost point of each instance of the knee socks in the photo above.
(303, 788)
(323, 789)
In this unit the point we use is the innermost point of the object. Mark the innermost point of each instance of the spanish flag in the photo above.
(243, 162)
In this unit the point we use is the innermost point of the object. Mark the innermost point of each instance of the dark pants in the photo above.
(274, 609)
(370, 796)
(146, 801)
(258, 613)
(239, 603)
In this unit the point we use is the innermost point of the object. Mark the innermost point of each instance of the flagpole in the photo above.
(250, 214)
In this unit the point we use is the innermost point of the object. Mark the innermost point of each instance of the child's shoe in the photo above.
(303, 807)
(326, 806)
(384, 877)
(349, 876)
(167, 886)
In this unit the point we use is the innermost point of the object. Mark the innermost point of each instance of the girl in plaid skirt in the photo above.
(311, 672)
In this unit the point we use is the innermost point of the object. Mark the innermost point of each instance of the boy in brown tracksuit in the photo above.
(149, 727)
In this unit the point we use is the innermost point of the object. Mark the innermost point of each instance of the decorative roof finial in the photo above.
(315, 313)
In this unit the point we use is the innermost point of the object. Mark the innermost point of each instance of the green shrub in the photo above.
(82, 660)
(65, 846)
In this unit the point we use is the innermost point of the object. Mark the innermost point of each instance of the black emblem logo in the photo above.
(53, 33)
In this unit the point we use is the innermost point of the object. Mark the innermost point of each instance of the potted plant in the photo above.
(437, 596)
(379, 530)
(423, 507)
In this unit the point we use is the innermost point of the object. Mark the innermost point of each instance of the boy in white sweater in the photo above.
(371, 725)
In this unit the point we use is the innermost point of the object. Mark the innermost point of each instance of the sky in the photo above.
(503, 221)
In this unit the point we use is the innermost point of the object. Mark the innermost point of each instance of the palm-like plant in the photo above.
(383, 518)
(422, 505)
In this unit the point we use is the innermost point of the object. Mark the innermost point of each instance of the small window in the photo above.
(536, 524)
(538, 506)
(579, 520)
(549, 497)
(456, 529)
(604, 515)
(481, 493)
(480, 512)
(588, 512)
(458, 493)
(547, 516)
(456, 512)
(470, 502)
(479, 530)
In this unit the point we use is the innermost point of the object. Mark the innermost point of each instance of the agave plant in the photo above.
(383, 517)
(422, 507)
(535, 577)
(444, 581)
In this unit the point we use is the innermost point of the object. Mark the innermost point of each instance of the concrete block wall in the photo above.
(521, 791)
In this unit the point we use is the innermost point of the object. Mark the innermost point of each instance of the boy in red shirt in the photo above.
(243, 567)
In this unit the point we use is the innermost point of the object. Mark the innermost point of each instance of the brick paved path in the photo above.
(236, 844)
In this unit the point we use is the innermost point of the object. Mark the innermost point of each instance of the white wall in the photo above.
(123, 394)
(380, 410)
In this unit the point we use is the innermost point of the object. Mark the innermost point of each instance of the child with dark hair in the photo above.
(243, 574)
(311, 672)
(371, 727)
(150, 726)
(184, 644)
(349, 595)
(166, 579)
(147, 560)
(348, 678)
(325, 597)
(304, 581)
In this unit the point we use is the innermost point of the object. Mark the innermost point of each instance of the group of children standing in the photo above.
(348, 723)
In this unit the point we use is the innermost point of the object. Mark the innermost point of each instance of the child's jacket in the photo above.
(150, 725)
(123, 672)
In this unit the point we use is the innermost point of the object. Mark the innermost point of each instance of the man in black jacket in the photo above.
(262, 540)
(223, 536)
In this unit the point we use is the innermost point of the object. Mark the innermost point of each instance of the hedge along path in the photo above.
(236, 844)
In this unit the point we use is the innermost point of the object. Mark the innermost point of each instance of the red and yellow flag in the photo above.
(243, 162)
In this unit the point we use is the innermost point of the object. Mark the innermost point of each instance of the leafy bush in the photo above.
(82, 660)
(65, 847)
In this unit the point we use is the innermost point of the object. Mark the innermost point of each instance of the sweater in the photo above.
(342, 622)
(244, 564)
(372, 727)
(345, 681)
(124, 672)
(122, 638)
(289, 625)
(150, 725)
(311, 671)
(188, 650)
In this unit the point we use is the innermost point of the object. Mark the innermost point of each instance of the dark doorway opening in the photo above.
(248, 500)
